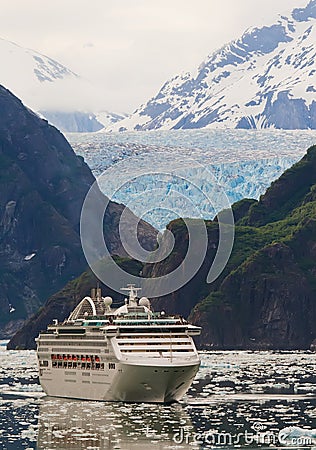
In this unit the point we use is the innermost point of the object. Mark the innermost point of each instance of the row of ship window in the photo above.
(156, 350)
(81, 358)
(85, 342)
(162, 342)
(74, 350)
(77, 365)
(76, 362)
(143, 337)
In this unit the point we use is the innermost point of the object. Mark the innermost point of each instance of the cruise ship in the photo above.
(129, 353)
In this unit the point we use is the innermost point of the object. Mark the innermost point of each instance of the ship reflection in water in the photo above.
(75, 424)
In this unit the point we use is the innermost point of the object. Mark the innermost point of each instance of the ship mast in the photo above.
(132, 290)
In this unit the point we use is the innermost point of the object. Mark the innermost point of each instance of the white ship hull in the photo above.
(128, 382)
(130, 354)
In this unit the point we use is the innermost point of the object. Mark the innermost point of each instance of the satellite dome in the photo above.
(144, 302)
(107, 301)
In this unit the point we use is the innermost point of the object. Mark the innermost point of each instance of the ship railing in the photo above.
(166, 356)
(153, 315)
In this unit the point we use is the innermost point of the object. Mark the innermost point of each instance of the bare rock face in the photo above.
(42, 188)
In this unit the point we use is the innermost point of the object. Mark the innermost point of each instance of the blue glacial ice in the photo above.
(162, 175)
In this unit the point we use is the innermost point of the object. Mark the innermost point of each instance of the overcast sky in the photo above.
(129, 48)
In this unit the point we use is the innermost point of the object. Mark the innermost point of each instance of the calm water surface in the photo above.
(239, 399)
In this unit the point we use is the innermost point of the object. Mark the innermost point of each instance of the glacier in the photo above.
(189, 191)
(162, 175)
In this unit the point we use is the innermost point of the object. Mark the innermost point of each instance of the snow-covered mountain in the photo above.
(265, 79)
(79, 121)
(73, 121)
(107, 118)
(50, 88)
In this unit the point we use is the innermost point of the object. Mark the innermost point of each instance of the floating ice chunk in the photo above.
(28, 257)
(296, 436)
(30, 434)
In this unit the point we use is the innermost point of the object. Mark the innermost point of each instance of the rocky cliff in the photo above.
(265, 298)
(42, 188)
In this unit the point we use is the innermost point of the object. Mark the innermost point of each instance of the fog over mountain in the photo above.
(67, 100)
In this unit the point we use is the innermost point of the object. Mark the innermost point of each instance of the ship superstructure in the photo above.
(126, 354)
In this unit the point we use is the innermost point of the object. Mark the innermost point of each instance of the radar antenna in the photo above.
(132, 290)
